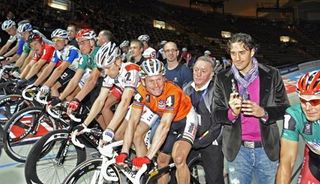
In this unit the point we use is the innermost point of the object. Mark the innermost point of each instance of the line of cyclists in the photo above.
(98, 76)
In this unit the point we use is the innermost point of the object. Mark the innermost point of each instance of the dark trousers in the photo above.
(212, 161)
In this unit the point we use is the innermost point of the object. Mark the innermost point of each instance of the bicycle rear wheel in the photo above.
(52, 158)
(89, 172)
(24, 129)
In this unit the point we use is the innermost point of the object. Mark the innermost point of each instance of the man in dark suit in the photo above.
(248, 99)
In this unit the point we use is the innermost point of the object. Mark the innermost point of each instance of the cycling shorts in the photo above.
(148, 117)
(84, 78)
(310, 172)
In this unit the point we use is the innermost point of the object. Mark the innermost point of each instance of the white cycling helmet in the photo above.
(151, 67)
(144, 38)
(149, 53)
(59, 33)
(7, 24)
(207, 53)
(125, 43)
(24, 27)
(107, 54)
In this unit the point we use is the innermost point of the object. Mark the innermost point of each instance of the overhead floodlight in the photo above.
(284, 39)
(59, 4)
(226, 34)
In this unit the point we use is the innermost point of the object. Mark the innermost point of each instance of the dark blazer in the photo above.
(273, 99)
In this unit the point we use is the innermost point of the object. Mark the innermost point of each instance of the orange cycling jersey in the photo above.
(172, 100)
(46, 54)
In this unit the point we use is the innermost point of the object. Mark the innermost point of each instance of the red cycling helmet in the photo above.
(87, 34)
(309, 84)
(34, 37)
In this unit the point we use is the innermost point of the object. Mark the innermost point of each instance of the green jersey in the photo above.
(88, 61)
(26, 49)
(296, 123)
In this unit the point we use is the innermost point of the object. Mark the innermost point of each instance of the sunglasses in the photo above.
(313, 102)
(57, 39)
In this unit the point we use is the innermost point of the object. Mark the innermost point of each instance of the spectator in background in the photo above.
(72, 30)
(249, 99)
(145, 40)
(208, 138)
(124, 46)
(175, 71)
(185, 56)
(135, 52)
(104, 36)
(160, 55)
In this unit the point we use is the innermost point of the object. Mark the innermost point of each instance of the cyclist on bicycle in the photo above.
(178, 125)
(119, 86)
(42, 55)
(302, 119)
(10, 27)
(63, 65)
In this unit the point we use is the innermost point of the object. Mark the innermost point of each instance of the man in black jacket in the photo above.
(207, 142)
(249, 98)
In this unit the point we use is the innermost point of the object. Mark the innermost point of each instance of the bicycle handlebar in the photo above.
(42, 101)
(28, 90)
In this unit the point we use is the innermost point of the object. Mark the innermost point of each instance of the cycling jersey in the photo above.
(20, 46)
(46, 54)
(12, 38)
(296, 123)
(26, 49)
(128, 77)
(172, 100)
(68, 54)
(88, 60)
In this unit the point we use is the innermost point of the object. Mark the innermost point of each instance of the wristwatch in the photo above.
(265, 117)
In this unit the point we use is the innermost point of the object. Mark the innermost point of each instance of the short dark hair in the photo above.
(107, 34)
(137, 41)
(244, 38)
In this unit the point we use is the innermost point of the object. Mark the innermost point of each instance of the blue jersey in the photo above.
(20, 46)
(68, 54)
(181, 75)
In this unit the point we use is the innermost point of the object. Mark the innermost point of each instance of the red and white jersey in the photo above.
(128, 77)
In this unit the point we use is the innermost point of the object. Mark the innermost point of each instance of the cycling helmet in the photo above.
(184, 49)
(309, 84)
(125, 43)
(107, 54)
(87, 34)
(7, 24)
(34, 37)
(144, 38)
(59, 33)
(207, 53)
(24, 27)
(151, 67)
(163, 42)
(149, 53)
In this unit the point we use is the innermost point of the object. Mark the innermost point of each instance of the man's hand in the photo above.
(79, 129)
(45, 89)
(139, 161)
(235, 103)
(251, 108)
(54, 101)
(107, 135)
(121, 158)
(73, 105)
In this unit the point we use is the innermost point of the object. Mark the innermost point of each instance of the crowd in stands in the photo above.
(128, 19)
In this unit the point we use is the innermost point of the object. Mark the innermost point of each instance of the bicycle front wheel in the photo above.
(52, 158)
(89, 172)
(24, 129)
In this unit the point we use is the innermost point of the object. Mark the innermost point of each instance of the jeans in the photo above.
(251, 162)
